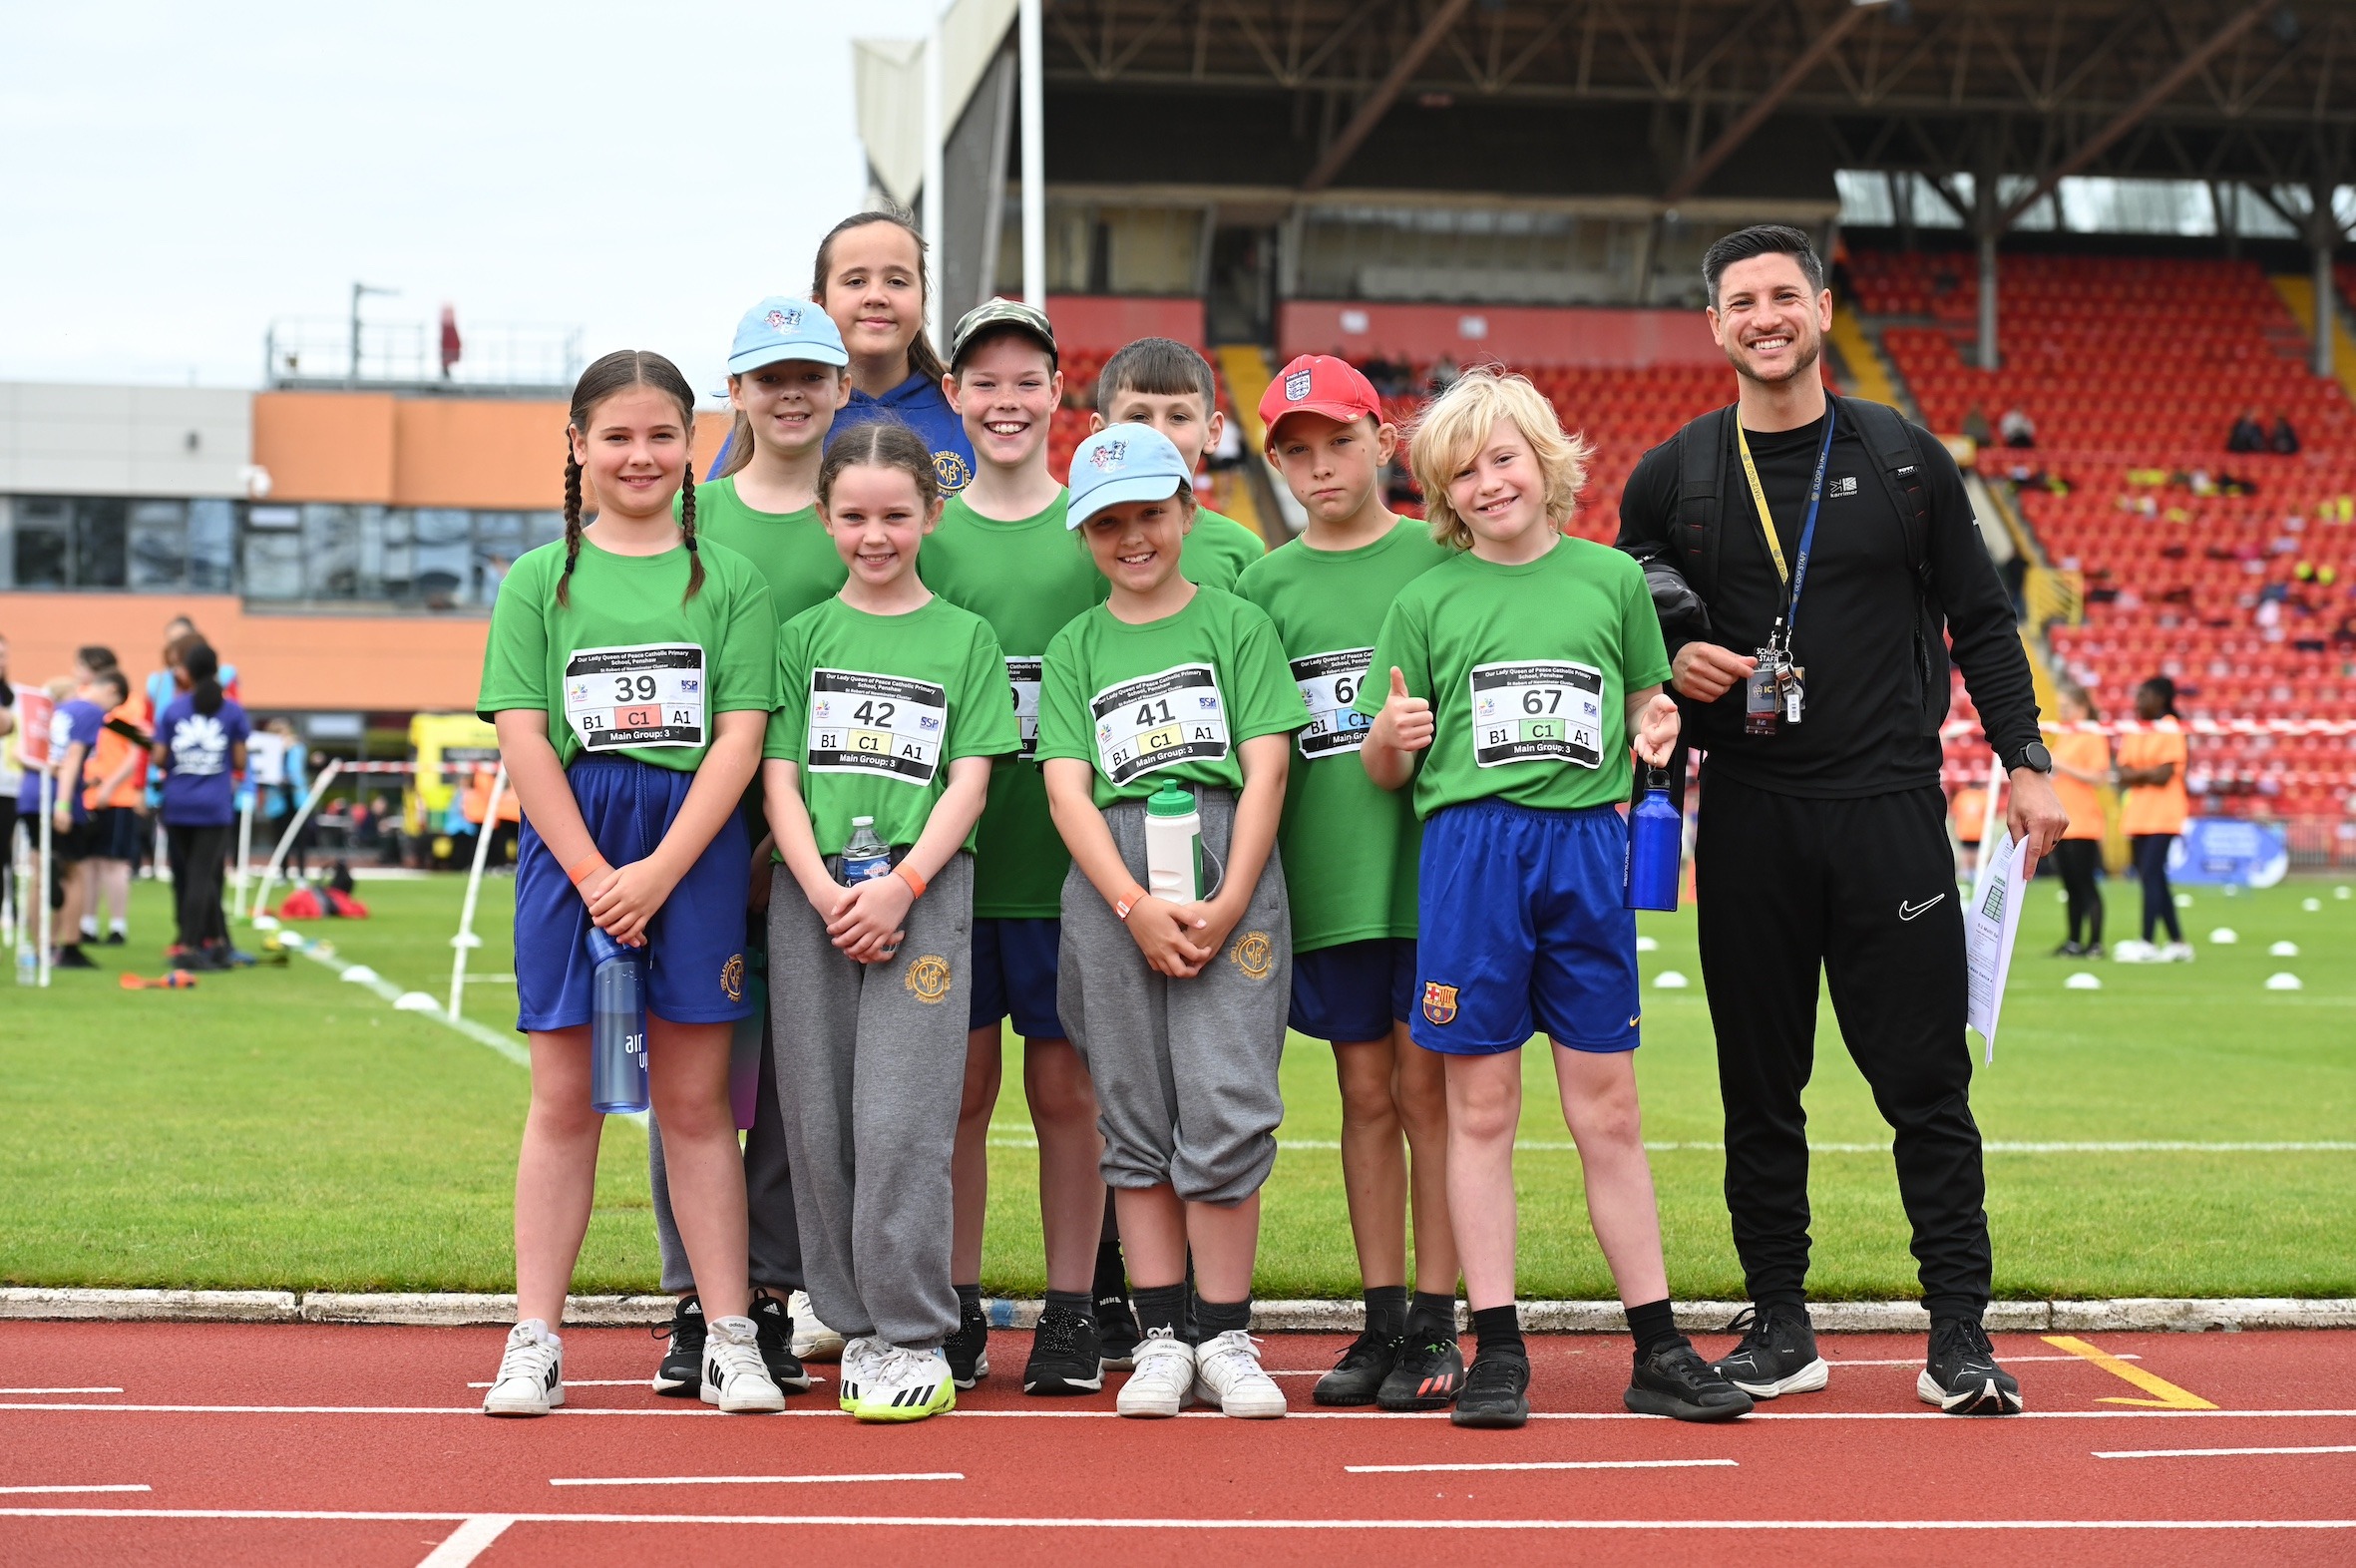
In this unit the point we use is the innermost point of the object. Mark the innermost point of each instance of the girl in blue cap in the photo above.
(871, 279)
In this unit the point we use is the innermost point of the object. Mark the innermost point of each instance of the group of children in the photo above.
(1399, 749)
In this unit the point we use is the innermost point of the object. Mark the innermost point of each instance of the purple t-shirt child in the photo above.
(198, 791)
(74, 723)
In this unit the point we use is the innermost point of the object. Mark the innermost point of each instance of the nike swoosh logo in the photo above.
(1908, 911)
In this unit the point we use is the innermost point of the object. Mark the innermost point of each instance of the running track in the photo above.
(240, 1444)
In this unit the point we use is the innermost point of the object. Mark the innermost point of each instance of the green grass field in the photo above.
(278, 1128)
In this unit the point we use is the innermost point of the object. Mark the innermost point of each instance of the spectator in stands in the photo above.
(1821, 854)
(2283, 440)
(1975, 427)
(2248, 434)
(2152, 773)
(2017, 428)
(2081, 761)
(1443, 373)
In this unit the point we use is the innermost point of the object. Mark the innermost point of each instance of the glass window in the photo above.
(100, 542)
(42, 526)
(442, 558)
(273, 562)
(213, 542)
(331, 551)
(159, 545)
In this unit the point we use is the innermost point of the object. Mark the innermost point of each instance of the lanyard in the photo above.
(1795, 575)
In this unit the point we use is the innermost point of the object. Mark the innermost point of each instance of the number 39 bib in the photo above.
(631, 699)
(1542, 711)
(863, 724)
(1159, 721)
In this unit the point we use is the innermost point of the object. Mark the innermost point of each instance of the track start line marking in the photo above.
(750, 1480)
(2169, 1396)
(1546, 1464)
(19, 1491)
(2213, 1453)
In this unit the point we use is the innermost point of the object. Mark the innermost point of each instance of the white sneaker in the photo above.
(813, 1341)
(1227, 1373)
(2133, 952)
(734, 1377)
(531, 1378)
(905, 1385)
(2177, 953)
(1161, 1380)
(859, 1359)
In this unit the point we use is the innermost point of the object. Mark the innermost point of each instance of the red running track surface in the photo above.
(336, 1444)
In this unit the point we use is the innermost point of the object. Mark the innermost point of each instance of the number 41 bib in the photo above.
(1159, 721)
(1543, 711)
(646, 695)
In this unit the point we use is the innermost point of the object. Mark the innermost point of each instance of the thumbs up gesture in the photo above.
(1405, 724)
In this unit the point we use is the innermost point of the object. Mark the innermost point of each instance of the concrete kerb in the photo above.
(451, 1309)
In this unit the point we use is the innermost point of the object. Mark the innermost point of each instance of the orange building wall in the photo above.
(325, 446)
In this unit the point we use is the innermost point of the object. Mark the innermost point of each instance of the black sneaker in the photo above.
(1065, 1357)
(1429, 1373)
(1777, 1355)
(1496, 1393)
(1359, 1373)
(115, 939)
(1673, 1380)
(1116, 1331)
(968, 1349)
(2069, 949)
(773, 1330)
(72, 958)
(1962, 1376)
(681, 1376)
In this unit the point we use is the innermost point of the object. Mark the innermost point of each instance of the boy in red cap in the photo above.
(1349, 851)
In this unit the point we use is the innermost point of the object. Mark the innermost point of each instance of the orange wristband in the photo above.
(1122, 905)
(915, 883)
(583, 869)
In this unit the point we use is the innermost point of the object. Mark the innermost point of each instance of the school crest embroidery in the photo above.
(1297, 386)
(1108, 454)
(929, 979)
(1439, 1002)
(1254, 954)
(732, 977)
(952, 470)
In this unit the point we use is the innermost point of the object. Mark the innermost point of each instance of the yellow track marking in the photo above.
(2171, 1398)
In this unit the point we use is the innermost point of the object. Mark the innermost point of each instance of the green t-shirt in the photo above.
(1527, 669)
(790, 549)
(626, 669)
(1170, 699)
(1350, 846)
(874, 708)
(1217, 551)
(1026, 579)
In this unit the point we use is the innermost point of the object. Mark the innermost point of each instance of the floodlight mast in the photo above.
(1032, 56)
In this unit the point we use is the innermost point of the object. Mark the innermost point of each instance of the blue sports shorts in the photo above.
(1524, 929)
(1015, 974)
(1353, 993)
(695, 942)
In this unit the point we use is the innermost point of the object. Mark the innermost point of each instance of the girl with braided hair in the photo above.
(631, 676)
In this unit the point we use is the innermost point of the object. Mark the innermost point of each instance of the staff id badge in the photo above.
(1159, 721)
(1762, 696)
(1330, 684)
(1023, 675)
(865, 723)
(1543, 711)
(649, 694)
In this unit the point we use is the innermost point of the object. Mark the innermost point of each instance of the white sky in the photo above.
(177, 174)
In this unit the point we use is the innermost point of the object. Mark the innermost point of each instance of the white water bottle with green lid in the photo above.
(1173, 846)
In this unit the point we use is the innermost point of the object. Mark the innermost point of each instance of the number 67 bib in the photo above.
(1159, 721)
(646, 695)
(1543, 711)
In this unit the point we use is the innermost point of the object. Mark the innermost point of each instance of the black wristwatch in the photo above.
(2033, 756)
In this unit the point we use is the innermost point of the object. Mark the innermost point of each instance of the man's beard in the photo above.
(1804, 354)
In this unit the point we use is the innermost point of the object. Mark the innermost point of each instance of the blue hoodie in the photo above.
(918, 403)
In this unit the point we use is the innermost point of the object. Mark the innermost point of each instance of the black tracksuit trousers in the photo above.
(1864, 890)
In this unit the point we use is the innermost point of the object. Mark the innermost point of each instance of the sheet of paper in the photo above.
(1989, 927)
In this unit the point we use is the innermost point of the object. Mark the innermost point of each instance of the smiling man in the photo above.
(1832, 549)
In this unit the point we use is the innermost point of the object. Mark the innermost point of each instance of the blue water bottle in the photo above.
(617, 1027)
(1655, 845)
(865, 857)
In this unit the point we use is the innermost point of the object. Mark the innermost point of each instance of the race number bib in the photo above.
(1329, 684)
(1023, 675)
(1543, 711)
(863, 724)
(1159, 721)
(649, 694)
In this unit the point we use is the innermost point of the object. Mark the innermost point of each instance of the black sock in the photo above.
(1160, 1307)
(1432, 1313)
(1387, 1309)
(1497, 1331)
(968, 1299)
(1654, 1323)
(1074, 1302)
(1217, 1317)
(1111, 1279)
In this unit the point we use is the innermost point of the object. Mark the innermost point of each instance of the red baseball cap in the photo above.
(1319, 384)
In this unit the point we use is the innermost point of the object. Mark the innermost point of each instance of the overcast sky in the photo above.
(179, 174)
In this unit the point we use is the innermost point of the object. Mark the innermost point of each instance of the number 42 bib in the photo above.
(649, 694)
(1549, 710)
(1159, 721)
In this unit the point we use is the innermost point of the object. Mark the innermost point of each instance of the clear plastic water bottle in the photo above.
(617, 1027)
(865, 857)
(1655, 846)
(28, 965)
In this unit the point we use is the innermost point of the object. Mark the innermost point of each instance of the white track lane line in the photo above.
(1547, 1464)
(1188, 1416)
(1903, 1361)
(77, 1391)
(2213, 1453)
(15, 1492)
(648, 1382)
(497, 1522)
(1022, 1140)
(469, 1542)
(750, 1480)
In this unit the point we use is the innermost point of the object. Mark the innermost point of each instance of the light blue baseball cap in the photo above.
(782, 327)
(1119, 464)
